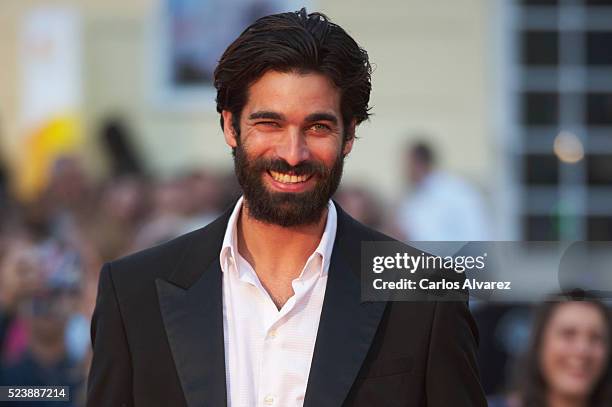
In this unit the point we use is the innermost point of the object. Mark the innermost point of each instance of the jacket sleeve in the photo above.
(452, 370)
(110, 375)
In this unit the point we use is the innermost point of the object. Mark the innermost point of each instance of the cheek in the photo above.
(257, 143)
(554, 358)
(552, 355)
(325, 150)
(599, 358)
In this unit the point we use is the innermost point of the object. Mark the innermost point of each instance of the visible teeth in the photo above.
(288, 178)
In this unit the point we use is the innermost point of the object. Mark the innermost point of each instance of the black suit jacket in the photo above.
(157, 334)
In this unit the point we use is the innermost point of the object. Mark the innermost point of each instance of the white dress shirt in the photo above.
(443, 208)
(268, 352)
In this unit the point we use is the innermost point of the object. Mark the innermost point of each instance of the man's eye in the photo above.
(267, 124)
(320, 127)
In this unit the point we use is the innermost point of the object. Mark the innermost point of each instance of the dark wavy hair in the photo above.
(295, 41)
(530, 382)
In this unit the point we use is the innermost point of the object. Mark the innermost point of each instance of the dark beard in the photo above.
(285, 208)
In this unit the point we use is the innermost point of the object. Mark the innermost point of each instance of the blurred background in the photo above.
(492, 121)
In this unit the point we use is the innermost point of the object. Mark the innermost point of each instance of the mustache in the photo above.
(280, 165)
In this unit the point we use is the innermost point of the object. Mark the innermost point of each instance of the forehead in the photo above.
(578, 314)
(293, 94)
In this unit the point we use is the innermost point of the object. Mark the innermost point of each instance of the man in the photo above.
(262, 307)
(440, 207)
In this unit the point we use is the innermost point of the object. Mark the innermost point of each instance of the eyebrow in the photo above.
(313, 117)
(316, 117)
(266, 115)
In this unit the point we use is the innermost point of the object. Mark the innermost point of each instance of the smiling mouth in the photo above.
(286, 178)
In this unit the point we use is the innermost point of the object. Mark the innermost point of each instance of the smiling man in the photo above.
(262, 307)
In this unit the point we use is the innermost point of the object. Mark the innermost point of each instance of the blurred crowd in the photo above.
(52, 249)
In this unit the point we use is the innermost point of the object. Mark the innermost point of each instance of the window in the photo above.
(540, 48)
(561, 90)
(598, 51)
(599, 108)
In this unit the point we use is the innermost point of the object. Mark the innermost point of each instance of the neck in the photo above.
(556, 399)
(259, 244)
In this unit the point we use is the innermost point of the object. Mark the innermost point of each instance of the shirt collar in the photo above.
(229, 249)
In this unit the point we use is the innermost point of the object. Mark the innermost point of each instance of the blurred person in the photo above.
(68, 186)
(180, 205)
(46, 311)
(125, 200)
(4, 196)
(22, 275)
(205, 195)
(122, 209)
(170, 208)
(118, 141)
(361, 204)
(69, 201)
(19, 281)
(230, 314)
(440, 206)
(567, 362)
(82, 302)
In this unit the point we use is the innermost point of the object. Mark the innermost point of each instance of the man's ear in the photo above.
(228, 129)
(350, 133)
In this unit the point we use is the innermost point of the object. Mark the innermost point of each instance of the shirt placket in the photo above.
(273, 363)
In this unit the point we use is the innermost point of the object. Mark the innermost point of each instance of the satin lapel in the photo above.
(347, 325)
(191, 303)
(194, 325)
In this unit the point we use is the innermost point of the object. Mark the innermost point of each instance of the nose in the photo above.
(293, 147)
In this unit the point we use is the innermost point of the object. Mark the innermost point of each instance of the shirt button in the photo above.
(269, 400)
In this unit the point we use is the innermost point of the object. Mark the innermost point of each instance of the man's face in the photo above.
(290, 151)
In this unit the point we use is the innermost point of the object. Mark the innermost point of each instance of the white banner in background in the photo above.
(50, 93)
(50, 65)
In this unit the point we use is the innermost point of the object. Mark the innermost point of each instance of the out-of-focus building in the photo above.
(516, 93)
(554, 116)
(431, 72)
